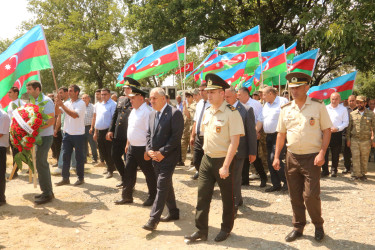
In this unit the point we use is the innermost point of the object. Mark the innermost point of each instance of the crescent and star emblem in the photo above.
(187, 67)
(157, 62)
(334, 89)
(18, 82)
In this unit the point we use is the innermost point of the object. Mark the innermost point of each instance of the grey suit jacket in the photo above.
(248, 143)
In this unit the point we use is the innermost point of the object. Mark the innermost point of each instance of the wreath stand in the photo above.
(32, 176)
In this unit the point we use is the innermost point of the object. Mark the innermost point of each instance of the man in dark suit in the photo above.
(163, 146)
(119, 127)
(247, 149)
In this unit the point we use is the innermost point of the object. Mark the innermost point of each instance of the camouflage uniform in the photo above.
(359, 134)
(188, 124)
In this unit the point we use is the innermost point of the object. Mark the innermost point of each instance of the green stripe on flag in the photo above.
(155, 70)
(244, 48)
(344, 96)
(302, 71)
(274, 71)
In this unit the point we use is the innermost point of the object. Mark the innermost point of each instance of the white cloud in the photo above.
(12, 14)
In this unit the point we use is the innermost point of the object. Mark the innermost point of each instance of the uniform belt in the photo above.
(271, 133)
(200, 137)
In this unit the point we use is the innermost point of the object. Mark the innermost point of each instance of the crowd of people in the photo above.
(226, 130)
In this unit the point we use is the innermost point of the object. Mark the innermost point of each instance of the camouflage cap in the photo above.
(361, 98)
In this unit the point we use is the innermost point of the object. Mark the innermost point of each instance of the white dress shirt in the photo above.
(257, 107)
(75, 126)
(18, 102)
(339, 116)
(198, 111)
(270, 114)
(138, 123)
(4, 129)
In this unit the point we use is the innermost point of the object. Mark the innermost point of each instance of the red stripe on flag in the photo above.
(181, 49)
(31, 50)
(304, 64)
(326, 93)
(163, 60)
(245, 41)
(275, 61)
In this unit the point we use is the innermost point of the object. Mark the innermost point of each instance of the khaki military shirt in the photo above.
(361, 126)
(218, 126)
(191, 110)
(303, 127)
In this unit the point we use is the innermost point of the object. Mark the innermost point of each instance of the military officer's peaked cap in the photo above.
(136, 91)
(129, 82)
(215, 82)
(296, 79)
(360, 98)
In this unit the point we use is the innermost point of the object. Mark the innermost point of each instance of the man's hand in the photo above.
(373, 144)
(58, 102)
(145, 156)
(252, 158)
(333, 129)
(224, 172)
(126, 149)
(276, 164)
(192, 140)
(348, 144)
(159, 156)
(95, 137)
(151, 153)
(109, 136)
(319, 160)
(55, 133)
(258, 135)
(91, 131)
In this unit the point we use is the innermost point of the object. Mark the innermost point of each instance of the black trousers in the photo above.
(335, 146)
(277, 176)
(3, 166)
(347, 156)
(208, 176)
(105, 149)
(165, 192)
(258, 167)
(118, 150)
(198, 151)
(135, 158)
(56, 145)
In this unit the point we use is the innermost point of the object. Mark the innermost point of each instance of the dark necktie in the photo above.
(156, 122)
(200, 119)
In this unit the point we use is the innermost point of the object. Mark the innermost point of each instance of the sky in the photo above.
(12, 14)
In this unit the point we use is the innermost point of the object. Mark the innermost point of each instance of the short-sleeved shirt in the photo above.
(49, 108)
(218, 126)
(18, 103)
(270, 114)
(4, 129)
(138, 123)
(257, 107)
(104, 112)
(75, 126)
(303, 127)
(89, 114)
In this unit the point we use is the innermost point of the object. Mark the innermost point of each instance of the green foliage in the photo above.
(366, 84)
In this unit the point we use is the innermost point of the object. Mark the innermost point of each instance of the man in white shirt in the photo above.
(4, 143)
(268, 119)
(74, 134)
(340, 120)
(13, 94)
(138, 124)
(196, 138)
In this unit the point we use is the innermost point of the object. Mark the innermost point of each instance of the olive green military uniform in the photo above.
(359, 134)
(303, 128)
(188, 123)
(218, 126)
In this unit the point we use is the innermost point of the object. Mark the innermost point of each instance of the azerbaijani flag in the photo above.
(28, 53)
(21, 85)
(291, 51)
(245, 41)
(188, 67)
(181, 45)
(233, 75)
(213, 54)
(160, 61)
(133, 62)
(342, 85)
(273, 66)
(305, 62)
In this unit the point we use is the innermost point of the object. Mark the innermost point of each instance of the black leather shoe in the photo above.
(123, 201)
(363, 178)
(40, 195)
(121, 184)
(109, 175)
(333, 174)
(240, 203)
(292, 236)
(196, 236)
(319, 234)
(272, 189)
(346, 171)
(221, 236)
(2, 203)
(263, 183)
(150, 225)
(44, 199)
(63, 182)
(169, 218)
(195, 176)
(180, 164)
(78, 182)
(285, 187)
(324, 174)
(148, 202)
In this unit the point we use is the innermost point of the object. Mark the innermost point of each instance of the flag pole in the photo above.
(54, 80)
(179, 65)
(185, 64)
(279, 86)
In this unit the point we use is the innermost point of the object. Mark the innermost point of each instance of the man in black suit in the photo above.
(163, 146)
(247, 149)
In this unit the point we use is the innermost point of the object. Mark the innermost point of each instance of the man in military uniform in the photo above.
(359, 133)
(119, 126)
(188, 113)
(222, 125)
(302, 122)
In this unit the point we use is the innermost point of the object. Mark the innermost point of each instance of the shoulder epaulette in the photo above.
(286, 104)
(231, 107)
(316, 100)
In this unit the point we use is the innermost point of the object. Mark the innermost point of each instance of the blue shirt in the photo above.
(49, 108)
(104, 113)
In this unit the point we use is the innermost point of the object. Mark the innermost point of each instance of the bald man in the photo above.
(340, 120)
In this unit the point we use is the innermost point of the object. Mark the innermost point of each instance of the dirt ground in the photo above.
(85, 217)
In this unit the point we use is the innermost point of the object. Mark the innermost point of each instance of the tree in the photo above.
(86, 40)
(342, 29)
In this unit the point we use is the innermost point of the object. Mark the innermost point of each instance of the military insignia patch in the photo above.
(209, 82)
(312, 121)
(218, 129)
